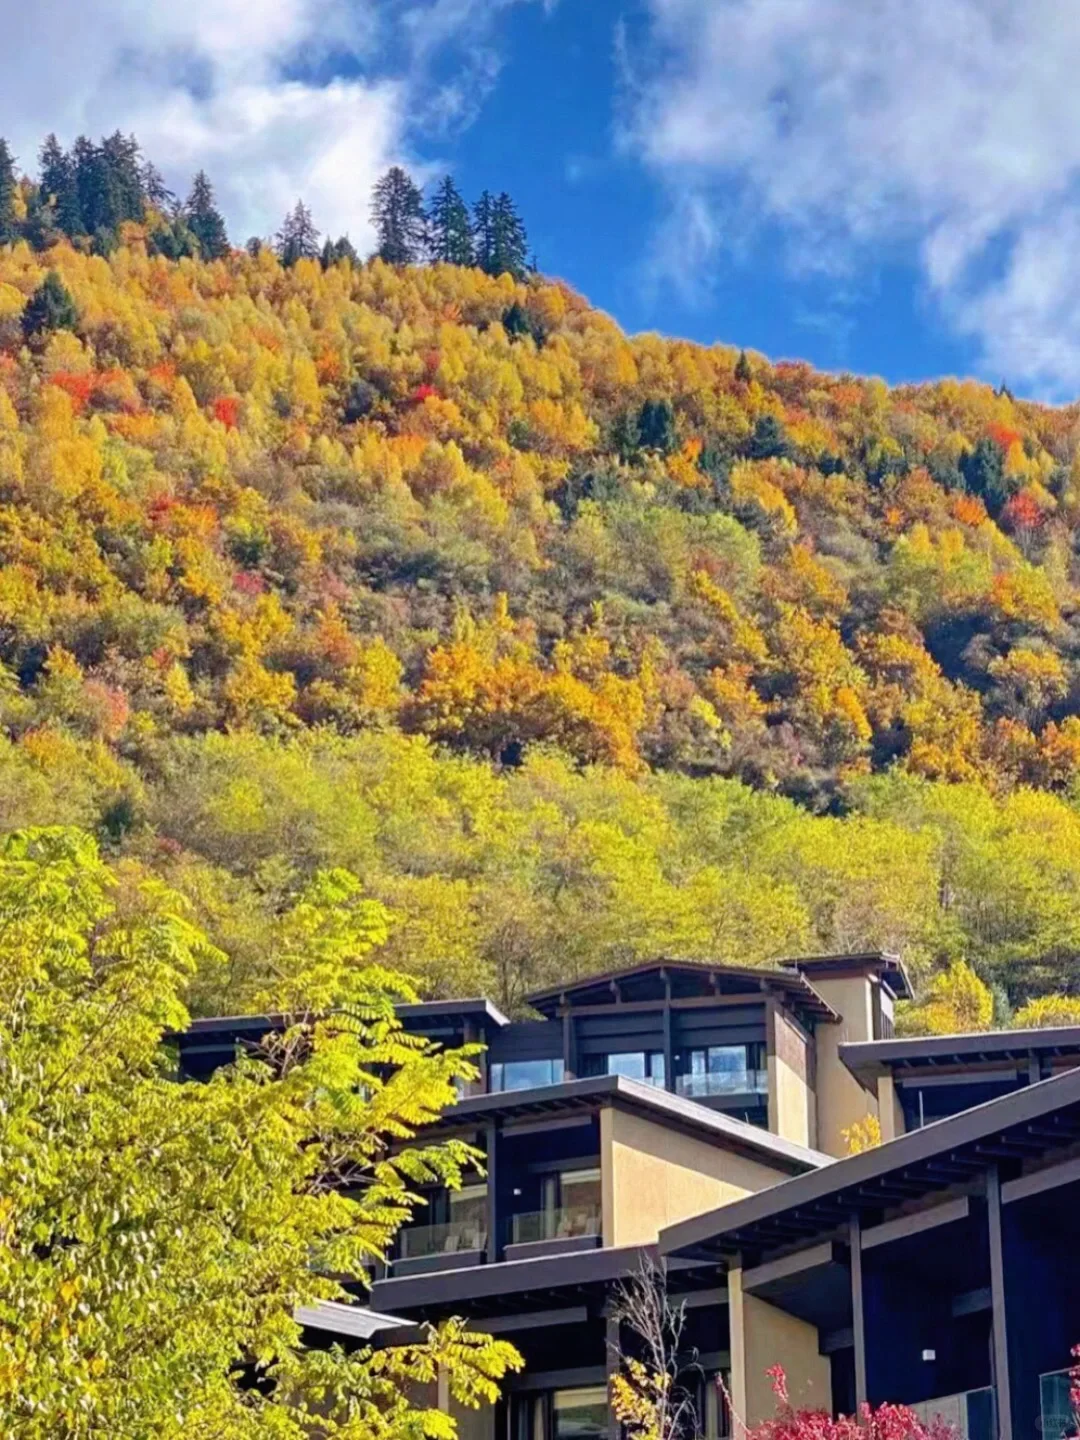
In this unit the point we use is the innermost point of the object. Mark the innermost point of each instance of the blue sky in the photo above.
(890, 188)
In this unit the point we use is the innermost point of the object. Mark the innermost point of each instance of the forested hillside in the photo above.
(576, 648)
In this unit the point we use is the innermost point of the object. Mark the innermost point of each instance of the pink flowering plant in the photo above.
(886, 1422)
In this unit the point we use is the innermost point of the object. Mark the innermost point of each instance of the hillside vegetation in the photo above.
(576, 648)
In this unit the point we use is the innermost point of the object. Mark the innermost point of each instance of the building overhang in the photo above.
(887, 968)
(538, 1285)
(672, 1112)
(684, 982)
(1020, 1132)
(918, 1055)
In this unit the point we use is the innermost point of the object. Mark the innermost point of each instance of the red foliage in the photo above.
(245, 583)
(424, 392)
(79, 387)
(159, 508)
(432, 361)
(1022, 512)
(227, 410)
(1005, 435)
(886, 1422)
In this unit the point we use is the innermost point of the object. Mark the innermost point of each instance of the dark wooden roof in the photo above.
(1026, 1125)
(867, 1059)
(684, 979)
(885, 966)
(514, 1286)
(672, 1112)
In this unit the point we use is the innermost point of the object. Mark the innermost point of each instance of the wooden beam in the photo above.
(999, 1328)
(1039, 1180)
(918, 1221)
(788, 1265)
(534, 1320)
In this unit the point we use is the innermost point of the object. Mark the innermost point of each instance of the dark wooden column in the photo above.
(669, 1039)
(612, 1356)
(858, 1315)
(1002, 1388)
(493, 1215)
(569, 1046)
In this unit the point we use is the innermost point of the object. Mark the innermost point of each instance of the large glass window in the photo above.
(459, 1223)
(1055, 1399)
(723, 1070)
(644, 1065)
(579, 1414)
(525, 1074)
(570, 1206)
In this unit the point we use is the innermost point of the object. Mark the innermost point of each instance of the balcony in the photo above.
(708, 1084)
(449, 1246)
(554, 1231)
(969, 1415)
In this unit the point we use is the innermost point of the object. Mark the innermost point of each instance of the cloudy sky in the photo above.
(891, 186)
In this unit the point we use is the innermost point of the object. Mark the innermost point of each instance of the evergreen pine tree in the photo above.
(449, 227)
(90, 188)
(121, 167)
(510, 244)
(7, 195)
(204, 220)
(58, 189)
(155, 191)
(397, 212)
(484, 232)
(297, 239)
(49, 308)
(743, 372)
(340, 249)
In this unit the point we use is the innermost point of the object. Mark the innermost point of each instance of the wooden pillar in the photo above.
(669, 1039)
(493, 1215)
(569, 1046)
(613, 1357)
(1002, 1388)
(858, 1315)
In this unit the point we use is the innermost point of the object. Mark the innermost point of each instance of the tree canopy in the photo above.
(160, 1237)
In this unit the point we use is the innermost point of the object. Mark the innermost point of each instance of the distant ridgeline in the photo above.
(577, 648)
(87, 195)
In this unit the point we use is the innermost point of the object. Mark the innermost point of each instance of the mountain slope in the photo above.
(258, 519)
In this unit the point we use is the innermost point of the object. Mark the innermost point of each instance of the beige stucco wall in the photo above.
(762, 1336)
(791, 1098)
(890, 1112)
(653, 1176)
(841, 1100)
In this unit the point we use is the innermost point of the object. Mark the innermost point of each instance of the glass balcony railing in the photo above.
(723, 1082)
(419, 1242)
(564, 1223)
(969, 1414)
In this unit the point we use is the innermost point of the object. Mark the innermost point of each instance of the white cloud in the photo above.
(227, 85)
(945, 131)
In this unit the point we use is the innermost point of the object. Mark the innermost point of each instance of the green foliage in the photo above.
(450, 235)
(51, 307)
(8, 230)
(160, 1237)
(397, 213)
(298, 238)
(204, 220)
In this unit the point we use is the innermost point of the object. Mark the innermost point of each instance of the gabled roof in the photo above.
(1024, 1126)
(867, 1059)
(684, 978)
(667, 1110)
(880, 963)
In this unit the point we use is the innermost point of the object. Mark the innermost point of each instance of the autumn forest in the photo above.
(575, 648)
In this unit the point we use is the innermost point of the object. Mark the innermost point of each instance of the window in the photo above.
(723, 1070)
(525, 1074)
(570, 1207)
(579, 1414)
(644, 1065)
